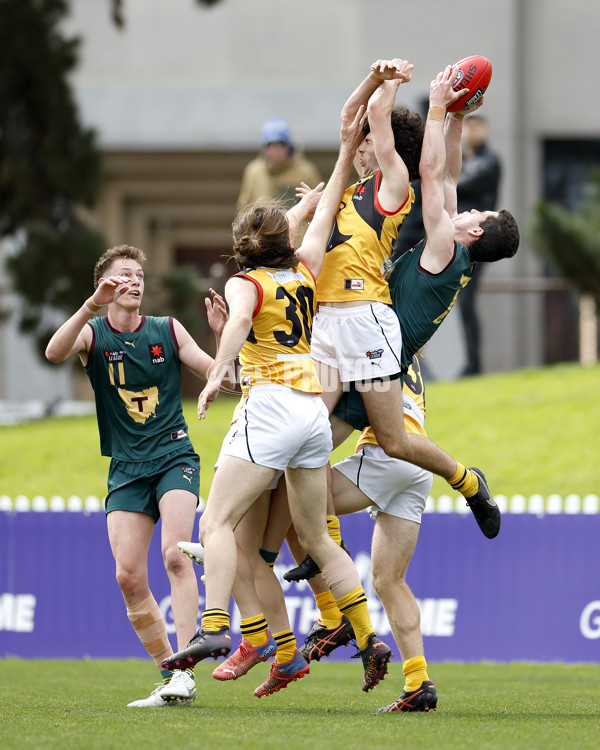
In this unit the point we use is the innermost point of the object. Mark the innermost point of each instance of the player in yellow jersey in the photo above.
(356, 335)
(395, 493)
(282, 425)
(433, 272)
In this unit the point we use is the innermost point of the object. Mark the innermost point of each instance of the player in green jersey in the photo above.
(134, 365)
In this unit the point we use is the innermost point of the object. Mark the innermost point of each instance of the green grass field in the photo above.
(82, 704)
(532, 431)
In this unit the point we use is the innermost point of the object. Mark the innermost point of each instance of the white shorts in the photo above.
(361, 342)
(272, 485)
(279, 427)
(395, 487)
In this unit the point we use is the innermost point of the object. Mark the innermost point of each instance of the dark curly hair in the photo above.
(408, 128)
(261, 237)
(500, 238)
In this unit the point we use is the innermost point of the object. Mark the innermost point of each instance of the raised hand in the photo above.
(110, 289)
(309, 198)
(441, 93)
(473, 108)
(216, 312)
(388, 70)
(352, 133)
(208, 394)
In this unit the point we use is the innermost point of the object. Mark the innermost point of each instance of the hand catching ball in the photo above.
(473, 73)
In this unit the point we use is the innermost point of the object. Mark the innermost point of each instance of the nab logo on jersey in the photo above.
(157, 353)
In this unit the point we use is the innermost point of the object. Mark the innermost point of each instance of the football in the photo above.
(473, 73)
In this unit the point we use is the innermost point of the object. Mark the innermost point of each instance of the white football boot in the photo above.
(180, 690)
(154, 700)
(193, 550)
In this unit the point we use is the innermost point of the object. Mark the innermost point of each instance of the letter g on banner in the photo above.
(589, 622)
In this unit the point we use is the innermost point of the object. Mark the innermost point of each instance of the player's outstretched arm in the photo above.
(394, 187)
(305, 209)
(312, 250)
(197, 361)
(242, 297)
(439, 228)
(453, 143)
(381, 70)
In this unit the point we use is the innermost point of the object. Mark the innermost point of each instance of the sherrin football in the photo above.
(473, 73)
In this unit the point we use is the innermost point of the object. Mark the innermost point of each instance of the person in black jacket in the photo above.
(477, 188)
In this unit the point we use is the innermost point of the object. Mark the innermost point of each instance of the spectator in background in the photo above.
(477, 188)
(277, 170)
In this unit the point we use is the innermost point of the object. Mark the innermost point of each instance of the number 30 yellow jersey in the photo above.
(277, 350)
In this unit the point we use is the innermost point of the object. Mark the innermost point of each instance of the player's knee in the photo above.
(175, 563)
(316, 545)
(205, 526)
(380, 584)
(386, 580)
(131, 582)
(394, 444)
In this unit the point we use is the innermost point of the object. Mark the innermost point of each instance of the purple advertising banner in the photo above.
(531, 594)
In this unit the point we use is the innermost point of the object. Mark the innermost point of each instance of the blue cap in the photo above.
(275, 130)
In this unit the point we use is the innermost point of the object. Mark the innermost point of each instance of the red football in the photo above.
(473, 73)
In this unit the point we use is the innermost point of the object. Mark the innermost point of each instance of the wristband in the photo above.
(91, 306)
(457, 116)
(375, 78)
(437, 113)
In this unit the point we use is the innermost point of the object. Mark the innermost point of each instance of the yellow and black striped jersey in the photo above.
(360, 245)
(277, 350)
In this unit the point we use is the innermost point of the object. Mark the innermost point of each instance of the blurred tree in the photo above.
(184, 290)
(570, 241)
(49, 164)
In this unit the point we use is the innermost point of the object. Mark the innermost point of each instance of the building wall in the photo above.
(186, 79)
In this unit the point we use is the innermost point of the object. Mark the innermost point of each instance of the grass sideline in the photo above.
(76, 704)
(532, 431)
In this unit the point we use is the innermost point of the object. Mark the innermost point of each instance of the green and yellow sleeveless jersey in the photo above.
(136, 379)
(421, 299)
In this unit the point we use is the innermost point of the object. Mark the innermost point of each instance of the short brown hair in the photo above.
(116, 253)
(261, 237)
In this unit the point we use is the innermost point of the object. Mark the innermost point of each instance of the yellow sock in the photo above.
(333, 529)
(354, 606)
(214, 619)
(331, 616)
(415, 671)
(464, 481)
(286, 646)
(255, 630)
